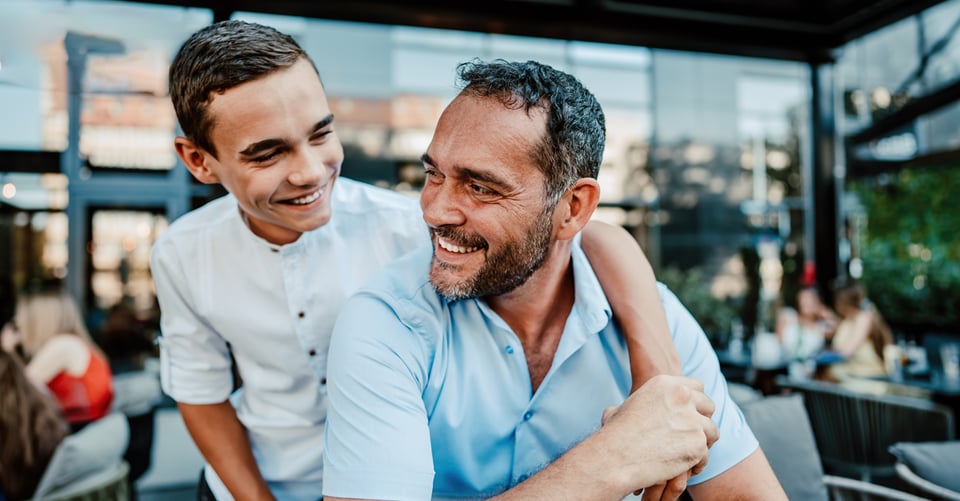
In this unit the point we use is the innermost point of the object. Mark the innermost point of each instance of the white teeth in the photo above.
(455, 248)
(307, 199)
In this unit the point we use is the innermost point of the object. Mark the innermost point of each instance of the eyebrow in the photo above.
(485, 177)
(267, 144)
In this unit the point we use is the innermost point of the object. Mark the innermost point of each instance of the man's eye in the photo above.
(266, 158)
(482, 190)
(320, 135)
(431, 174)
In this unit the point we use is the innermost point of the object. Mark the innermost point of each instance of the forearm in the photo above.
(223, 441)
(750, 480)
(630, 286)
(584, 472)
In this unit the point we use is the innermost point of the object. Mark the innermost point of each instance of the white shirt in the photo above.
(223, 289)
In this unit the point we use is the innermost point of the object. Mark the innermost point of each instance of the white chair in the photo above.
(88, 465)
(929, 468)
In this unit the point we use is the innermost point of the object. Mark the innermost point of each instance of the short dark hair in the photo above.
(217, 58)
(576, 131)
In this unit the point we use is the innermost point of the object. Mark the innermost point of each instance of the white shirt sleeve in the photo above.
(194, 360)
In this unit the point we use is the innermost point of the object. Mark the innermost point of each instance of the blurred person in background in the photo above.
(862, 336)
(61, 355)
(803, 326)
(31, 424)
(125, 339)
(31, 427)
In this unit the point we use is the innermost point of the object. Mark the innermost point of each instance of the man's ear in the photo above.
(576, 207)
(196, 159)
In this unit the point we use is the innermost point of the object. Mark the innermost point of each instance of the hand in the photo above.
(661, 433)
(669, 491)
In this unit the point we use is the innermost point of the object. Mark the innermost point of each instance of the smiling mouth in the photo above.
(456, 249)
(306, 199)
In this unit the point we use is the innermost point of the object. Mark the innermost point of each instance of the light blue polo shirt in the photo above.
(432, 398)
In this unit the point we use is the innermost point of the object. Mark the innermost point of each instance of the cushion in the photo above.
(97, 447)
(935, 462)
(782, 427)
(136, 393)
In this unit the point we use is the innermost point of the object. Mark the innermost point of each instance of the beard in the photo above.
(502, 271)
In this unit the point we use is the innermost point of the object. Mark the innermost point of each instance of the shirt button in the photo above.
(301, 314)
(312, 352)
(274, 249)
(323, 380)
(509, 350)
(527, 415)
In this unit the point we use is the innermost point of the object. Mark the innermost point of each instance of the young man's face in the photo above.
(277, 151)
(484, 198)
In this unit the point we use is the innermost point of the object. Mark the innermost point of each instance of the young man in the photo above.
(466, 368)
(257, 278)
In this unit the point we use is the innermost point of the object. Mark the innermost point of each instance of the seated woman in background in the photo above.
(62, 356)
(861, 337)
(802, 330)
(31, 427)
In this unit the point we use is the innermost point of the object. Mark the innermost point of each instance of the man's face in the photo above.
(484, 199)
(278, 153)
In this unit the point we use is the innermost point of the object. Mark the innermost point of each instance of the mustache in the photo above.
(459, 237)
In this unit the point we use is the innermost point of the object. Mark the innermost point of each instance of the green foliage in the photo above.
(911, 246)
(713, 314)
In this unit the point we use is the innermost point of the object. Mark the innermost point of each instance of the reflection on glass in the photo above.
(120, 257)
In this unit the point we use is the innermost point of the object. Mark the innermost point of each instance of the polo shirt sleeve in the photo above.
(195, 366)
(736, 440)
(377, 438)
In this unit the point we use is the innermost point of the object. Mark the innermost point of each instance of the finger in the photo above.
(692, 383)
(704, 404)
(711, 431)
(653, 493)
(697, 468)
(674, 488)
(608, 413)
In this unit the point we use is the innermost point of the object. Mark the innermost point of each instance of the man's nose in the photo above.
(440, 205)
(313, 165)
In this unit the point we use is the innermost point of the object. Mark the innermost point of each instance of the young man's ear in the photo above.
(576, 207)
(196, 159)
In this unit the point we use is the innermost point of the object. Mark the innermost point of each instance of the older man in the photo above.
(481, 365)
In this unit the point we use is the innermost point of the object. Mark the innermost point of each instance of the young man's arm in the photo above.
(750, 480)
(196, 370)
(630, 286)
(222, 440)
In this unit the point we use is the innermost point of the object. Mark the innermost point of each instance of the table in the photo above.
(739, 366)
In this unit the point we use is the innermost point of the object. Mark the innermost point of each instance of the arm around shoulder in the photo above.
(630, 286)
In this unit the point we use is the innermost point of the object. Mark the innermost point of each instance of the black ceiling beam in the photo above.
(29, 161)
(906, 115)
(743, 29)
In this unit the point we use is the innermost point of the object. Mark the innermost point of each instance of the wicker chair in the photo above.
(854, 431)
(782, 427)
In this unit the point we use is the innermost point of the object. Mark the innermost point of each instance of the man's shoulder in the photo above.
(197, 226)
(356, 197)
(403, 286)
(214, 213)
(404, 280)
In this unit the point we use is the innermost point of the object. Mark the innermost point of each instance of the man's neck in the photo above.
(537, 311)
